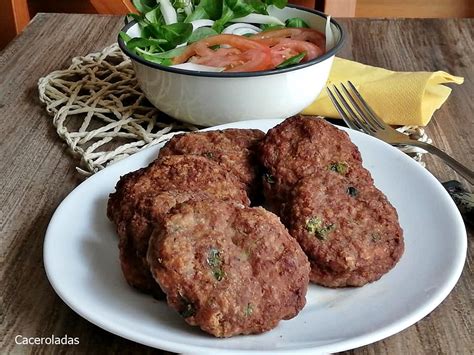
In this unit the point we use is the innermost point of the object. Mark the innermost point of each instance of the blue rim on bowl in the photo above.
(326, 55)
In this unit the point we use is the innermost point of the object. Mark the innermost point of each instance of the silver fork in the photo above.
(359, 116)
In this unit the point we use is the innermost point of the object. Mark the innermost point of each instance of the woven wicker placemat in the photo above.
(99, 110)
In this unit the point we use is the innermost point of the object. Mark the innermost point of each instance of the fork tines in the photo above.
(354, 110)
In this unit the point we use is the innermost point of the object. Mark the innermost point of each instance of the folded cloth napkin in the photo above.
(399, 98)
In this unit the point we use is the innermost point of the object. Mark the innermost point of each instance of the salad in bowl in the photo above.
(210, 62)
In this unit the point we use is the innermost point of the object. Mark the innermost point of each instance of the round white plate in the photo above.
(82, 264)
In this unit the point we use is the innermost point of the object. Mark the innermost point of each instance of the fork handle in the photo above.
(453, 163)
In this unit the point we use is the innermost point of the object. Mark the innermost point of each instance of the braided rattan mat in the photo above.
(101, 113)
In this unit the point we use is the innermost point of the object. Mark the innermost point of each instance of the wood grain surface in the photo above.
(37, 172)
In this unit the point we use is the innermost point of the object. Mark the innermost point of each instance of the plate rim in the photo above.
(403, 323)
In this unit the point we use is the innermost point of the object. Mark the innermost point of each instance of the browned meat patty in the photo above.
(301, 146)
(133, 245)
(347, 227)
(228, 269)
(144, 195)
(233, 149)
(178, 172)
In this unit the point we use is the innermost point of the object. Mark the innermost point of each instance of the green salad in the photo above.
(168, 27)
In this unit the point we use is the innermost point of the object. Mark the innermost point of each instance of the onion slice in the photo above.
(168, 12)
(241, 29)
(259, 18)
(197, 67)
(201, 23)
(329, 34)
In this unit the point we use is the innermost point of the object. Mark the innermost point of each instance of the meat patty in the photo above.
(233, 149)
(228, 269)
(347, 227)
(301, 146)
(141, 197)
(133, 245)
(178, 172)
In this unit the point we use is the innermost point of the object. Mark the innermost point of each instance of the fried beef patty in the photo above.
(233, 149)
(141, 197)
(227, 268)
(347, 227)
(301, 146)
(133, 243)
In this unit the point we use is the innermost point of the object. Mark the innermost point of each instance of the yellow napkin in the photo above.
(400, 98)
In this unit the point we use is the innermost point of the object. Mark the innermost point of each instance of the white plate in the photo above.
(82, 264)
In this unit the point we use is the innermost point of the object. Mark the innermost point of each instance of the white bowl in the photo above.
(208, 98)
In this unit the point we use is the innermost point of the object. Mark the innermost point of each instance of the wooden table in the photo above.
(37, 172)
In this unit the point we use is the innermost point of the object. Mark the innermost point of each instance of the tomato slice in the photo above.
(281, 54)
(312, 36)
(235, 41)
(222, 57)
(278, 33)
(301, 34)
(243, 55)
(202, 50)
(250, 60)
(254, 60)
(262, 51)
(287, 48)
